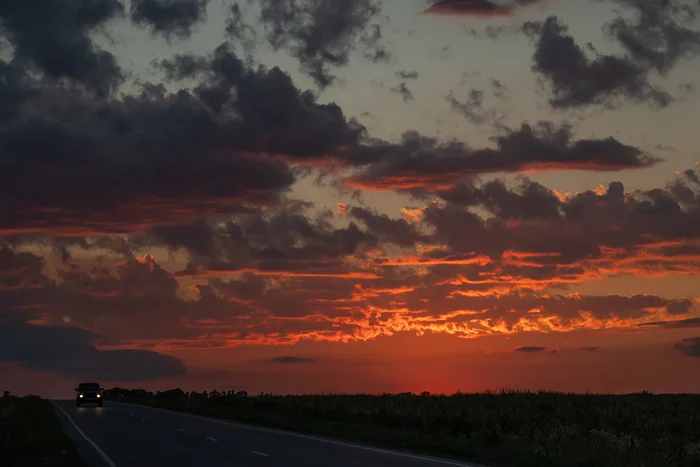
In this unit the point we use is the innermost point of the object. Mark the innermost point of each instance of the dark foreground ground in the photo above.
(133, 435)
(31, 435)
(509, 429)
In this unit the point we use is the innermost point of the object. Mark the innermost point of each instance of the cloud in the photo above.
(690, 346)
(492, 32)
(402, 89)
(404, 74)
(219, 146)
(288, 273)
(420, 161)
(474, 8)
(619, 232)
(68, 351)
(159, 157)
(57, 42)
(321, 34)
(575, 349)
(162, 219)
(472, 109)
(578, 81)
(679, 324)
(291, 359)
(399, 232)
(169, 17)
(238, 29)
(661, 33)
(529, 349)
(657, 37)
(477, 8)
(141, 305)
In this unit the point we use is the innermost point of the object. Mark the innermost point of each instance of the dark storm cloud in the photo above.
(169, 17)
(528, 200)
(90, 166)
(660, 34)
(287, 242)
(14, 90)
(238, 29)
(618, 231)
(279, 118)
(578, 81)
(143, 160)
(419, 161)
(159, 157)
(55, 40)
(69, 352)
(322, 34)
(689, 347)
(529, 349)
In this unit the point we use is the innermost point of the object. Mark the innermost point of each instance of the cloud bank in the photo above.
(181, 194)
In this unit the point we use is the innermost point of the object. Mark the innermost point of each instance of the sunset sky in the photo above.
(350, 195)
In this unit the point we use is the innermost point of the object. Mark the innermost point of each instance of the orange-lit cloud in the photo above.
(413, 260)
(223, 272)
(254, 309)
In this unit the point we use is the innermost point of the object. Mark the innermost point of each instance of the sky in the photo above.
(312, 196)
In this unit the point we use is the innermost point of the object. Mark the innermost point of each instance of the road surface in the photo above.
(128, 435)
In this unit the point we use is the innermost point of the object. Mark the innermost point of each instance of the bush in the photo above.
(32, 435)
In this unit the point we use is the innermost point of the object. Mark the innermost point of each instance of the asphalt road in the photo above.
(127, 435)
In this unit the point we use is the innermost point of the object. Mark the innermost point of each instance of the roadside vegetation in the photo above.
(508, 429)
(31, 435)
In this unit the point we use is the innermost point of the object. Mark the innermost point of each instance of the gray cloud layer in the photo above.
(69, 352)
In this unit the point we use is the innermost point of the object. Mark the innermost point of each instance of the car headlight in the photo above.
(81, 395)
(99, 395)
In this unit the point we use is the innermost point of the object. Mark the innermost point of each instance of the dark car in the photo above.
(87, 393)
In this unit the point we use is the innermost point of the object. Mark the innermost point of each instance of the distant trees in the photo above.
(177, 393)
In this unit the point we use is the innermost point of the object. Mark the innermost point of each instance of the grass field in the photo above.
(510, 429)
(31, 435)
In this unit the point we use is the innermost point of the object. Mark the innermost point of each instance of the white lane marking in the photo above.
(180, 429)
(159, 424)
(435, 460)
(92, 443)
(211, 439)
(261, 453)
(143, 419)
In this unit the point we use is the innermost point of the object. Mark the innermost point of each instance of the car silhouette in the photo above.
(89, 392)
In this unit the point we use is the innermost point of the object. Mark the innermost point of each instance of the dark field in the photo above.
(508, 429)
(31, 435)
